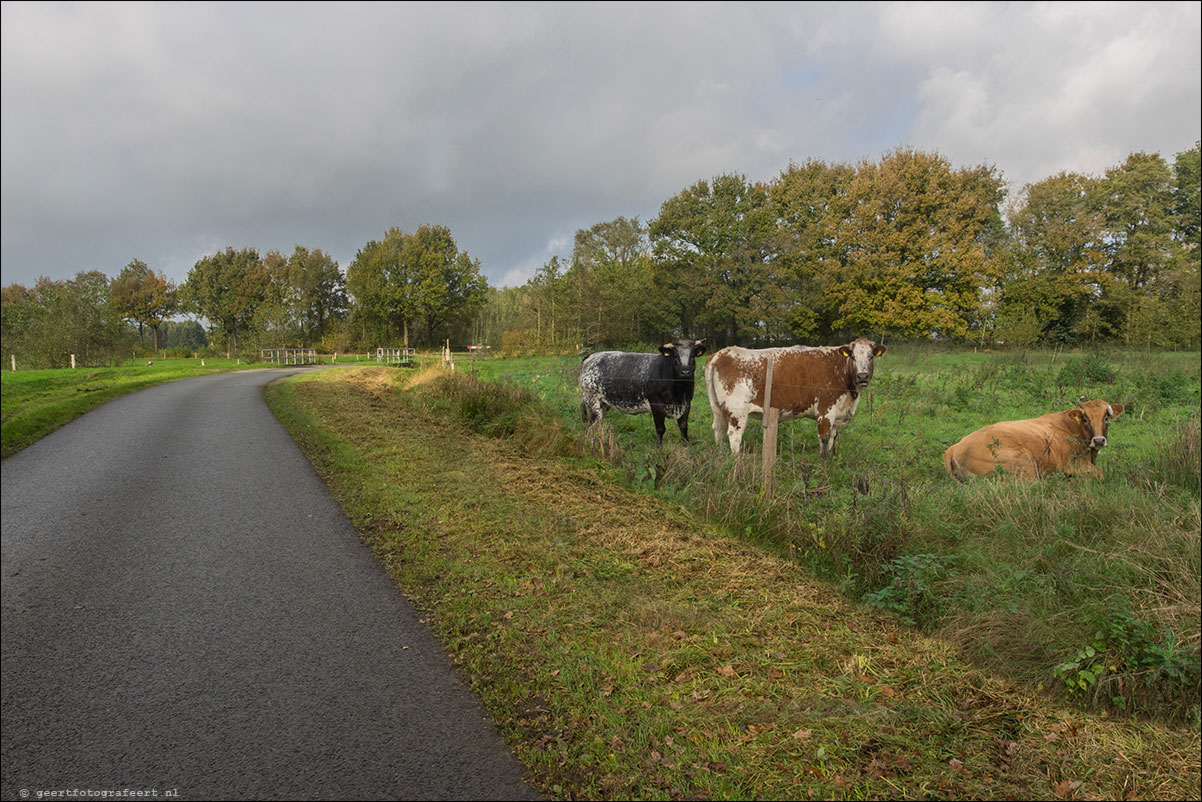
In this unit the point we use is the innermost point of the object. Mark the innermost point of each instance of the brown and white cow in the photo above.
(822, 383)
(1065, 441)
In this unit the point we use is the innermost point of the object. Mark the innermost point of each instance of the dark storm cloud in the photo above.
(164, 132)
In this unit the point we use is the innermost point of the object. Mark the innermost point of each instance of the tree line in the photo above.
(907, 246)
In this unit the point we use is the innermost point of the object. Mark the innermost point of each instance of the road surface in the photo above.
(187, 609)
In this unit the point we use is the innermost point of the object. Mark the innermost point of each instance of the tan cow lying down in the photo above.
(1060, 441)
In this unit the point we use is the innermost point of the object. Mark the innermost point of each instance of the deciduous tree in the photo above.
(143, 296)
(227, 288)
(911, 255)
(715, 257)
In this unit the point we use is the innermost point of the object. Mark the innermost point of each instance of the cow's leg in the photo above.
(591, 409)
(658, 416)
(683, 423)
(826, 436)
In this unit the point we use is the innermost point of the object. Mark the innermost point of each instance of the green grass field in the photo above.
(1092, 586)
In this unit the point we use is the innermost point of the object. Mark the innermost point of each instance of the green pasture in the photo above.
(921, 400)
(1086, 585)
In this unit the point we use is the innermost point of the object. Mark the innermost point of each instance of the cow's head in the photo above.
(860, 356)
(1095, 417)
(683, 355)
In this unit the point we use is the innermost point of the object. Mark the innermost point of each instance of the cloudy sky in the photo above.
(166, 132)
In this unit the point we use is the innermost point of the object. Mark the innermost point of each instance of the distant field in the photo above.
(1089, 585)
(34, 403)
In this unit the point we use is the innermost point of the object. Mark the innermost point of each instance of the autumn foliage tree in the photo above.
(143, 296)
(910, 246)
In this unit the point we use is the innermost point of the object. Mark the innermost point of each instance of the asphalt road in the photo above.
(186, 608)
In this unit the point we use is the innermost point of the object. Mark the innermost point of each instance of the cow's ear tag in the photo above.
(845, 352)
(880, 349)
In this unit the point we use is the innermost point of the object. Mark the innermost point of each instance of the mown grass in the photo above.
(34, 403)
(1087, 587)
(626, 650)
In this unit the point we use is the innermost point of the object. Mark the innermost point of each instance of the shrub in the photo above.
(498, 410)
(913, 590)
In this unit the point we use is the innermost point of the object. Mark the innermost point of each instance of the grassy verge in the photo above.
(627, 651)
(34, 403)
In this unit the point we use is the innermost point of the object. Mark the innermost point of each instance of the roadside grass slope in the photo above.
(626, 650)
(33, 403)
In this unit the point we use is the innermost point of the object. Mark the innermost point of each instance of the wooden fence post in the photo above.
(72, 361)
(13, 357)
(770, 420)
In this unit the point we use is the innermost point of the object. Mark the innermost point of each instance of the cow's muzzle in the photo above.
(1097, 442)
(862, 379)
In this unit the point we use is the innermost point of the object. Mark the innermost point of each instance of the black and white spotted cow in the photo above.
(661, 384)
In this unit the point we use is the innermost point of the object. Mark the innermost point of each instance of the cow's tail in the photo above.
(711, 389)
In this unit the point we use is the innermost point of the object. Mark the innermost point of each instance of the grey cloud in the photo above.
(163, 132)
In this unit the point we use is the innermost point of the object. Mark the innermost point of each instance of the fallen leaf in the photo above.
(1065, 787)
(727, 671)
(877, 767)
(803, 734)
